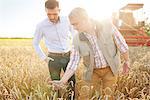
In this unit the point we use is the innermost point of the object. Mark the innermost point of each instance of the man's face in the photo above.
(53, 14)
(78, 24)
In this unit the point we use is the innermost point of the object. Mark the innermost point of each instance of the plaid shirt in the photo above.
(99, 58)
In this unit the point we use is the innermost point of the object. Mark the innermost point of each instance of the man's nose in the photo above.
(51, 16)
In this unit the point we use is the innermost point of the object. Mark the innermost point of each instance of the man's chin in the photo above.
(53, 21)
(79, 31)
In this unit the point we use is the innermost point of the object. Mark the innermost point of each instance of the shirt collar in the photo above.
(59, 20)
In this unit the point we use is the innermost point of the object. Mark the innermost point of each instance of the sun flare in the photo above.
(101, 9)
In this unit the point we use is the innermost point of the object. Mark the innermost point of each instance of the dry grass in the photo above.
(23, 75)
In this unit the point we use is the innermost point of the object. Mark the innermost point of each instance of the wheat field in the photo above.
(23, 76)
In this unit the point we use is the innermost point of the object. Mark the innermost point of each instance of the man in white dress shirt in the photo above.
(57, 33)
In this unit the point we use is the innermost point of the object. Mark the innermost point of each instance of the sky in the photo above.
(18, 18)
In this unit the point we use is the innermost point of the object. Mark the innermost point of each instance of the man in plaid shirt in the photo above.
(99, 44)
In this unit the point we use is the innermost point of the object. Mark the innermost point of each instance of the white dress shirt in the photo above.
(58, 37)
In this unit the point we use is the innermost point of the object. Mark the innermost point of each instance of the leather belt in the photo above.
(59, 54)
(103, 68)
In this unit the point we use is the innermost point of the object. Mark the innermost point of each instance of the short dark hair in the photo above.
(51, 4)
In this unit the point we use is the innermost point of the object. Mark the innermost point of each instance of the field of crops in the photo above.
(23, 76)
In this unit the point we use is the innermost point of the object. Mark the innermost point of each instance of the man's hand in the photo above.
(48, 59)
(126, 67)
(57, 84)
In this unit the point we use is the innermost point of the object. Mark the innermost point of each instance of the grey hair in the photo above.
(78, 12)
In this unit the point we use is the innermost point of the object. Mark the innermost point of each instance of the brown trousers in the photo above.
(101, 84)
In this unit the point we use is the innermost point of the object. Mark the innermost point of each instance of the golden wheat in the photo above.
(23, 75)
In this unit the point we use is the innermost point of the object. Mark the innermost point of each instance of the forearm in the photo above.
(38, 50)
(67, 75)
(125, 56)
(126, 64)
(36, 43)
(72, 65)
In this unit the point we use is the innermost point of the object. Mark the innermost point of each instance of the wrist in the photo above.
(63, 81)
(45, 59)
(126, 60)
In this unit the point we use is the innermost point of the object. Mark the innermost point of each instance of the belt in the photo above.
(59, 54)
(103, 68)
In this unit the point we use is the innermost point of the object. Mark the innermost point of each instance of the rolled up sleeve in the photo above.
(120, 41)
(74, 59)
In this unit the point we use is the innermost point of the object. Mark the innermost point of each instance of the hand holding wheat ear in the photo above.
(57, 84)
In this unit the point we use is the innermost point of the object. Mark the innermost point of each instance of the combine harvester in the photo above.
(131, 28)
